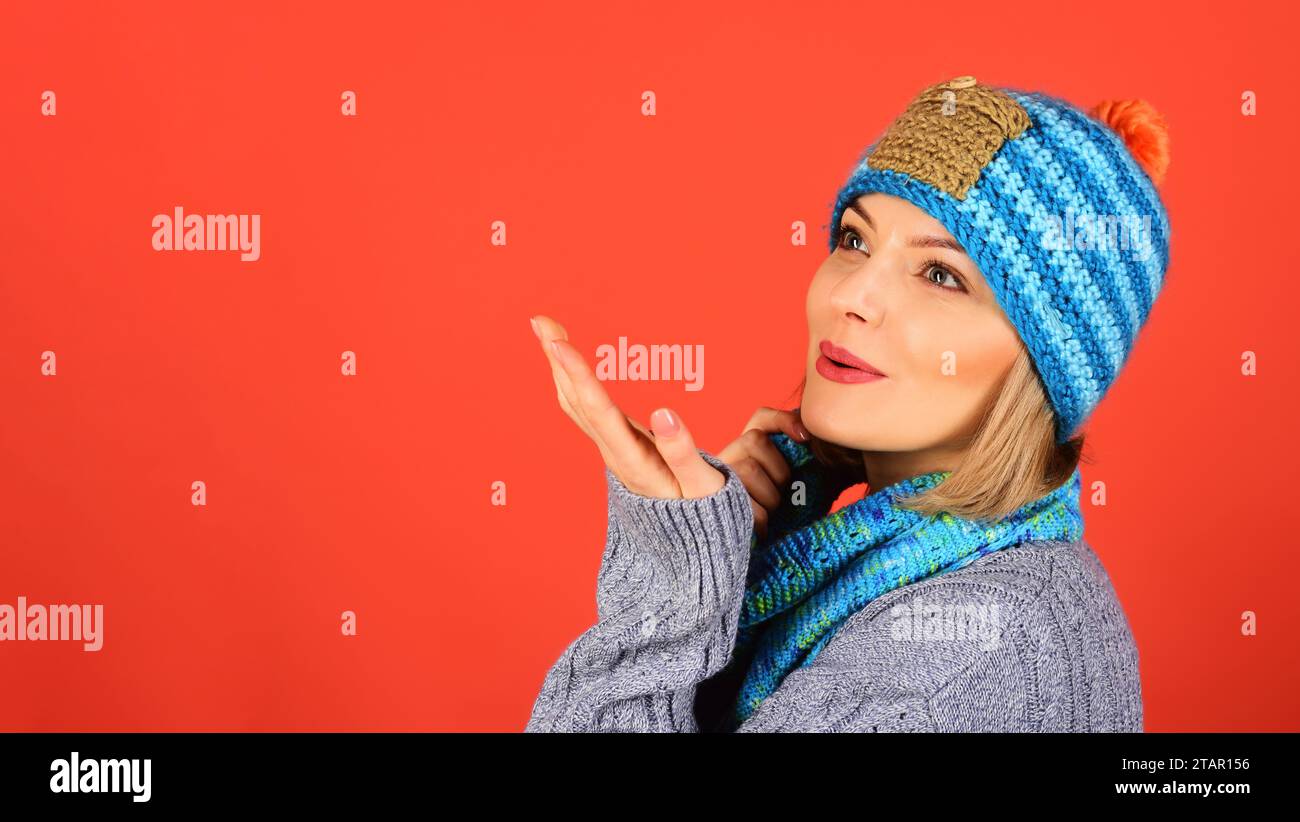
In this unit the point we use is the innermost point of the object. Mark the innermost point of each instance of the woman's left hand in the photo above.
(759, 463)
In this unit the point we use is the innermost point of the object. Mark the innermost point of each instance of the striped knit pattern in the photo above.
(1035, 221)
(805, 583)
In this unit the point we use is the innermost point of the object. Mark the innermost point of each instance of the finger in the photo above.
(695, 477)
(757, 482)
(759, 446)
(770, 420)
(638, 426)
(610, 426)
(548, 330)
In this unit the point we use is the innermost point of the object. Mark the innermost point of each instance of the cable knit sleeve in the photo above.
(668, 599)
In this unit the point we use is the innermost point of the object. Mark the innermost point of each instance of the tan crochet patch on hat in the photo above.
(949, 133)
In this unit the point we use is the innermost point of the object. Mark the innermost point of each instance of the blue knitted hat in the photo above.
(1061, 216)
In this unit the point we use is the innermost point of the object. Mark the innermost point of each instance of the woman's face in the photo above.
(921, 314)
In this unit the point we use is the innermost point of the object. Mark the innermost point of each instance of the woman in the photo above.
(970, 315)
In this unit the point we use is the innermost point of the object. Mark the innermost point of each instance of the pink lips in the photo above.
(840, 365)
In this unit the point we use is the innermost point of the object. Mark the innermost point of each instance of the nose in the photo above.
(860, 295)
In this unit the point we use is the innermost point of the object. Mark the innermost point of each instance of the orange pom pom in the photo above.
(1143, 129)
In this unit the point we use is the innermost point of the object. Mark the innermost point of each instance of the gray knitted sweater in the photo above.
(1052, 651)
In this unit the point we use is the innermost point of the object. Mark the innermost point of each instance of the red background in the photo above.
(372, 493)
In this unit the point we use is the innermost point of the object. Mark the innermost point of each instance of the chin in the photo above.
(832, 421)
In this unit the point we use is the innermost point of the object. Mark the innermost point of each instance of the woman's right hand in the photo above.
(661, 463)
(762, 468)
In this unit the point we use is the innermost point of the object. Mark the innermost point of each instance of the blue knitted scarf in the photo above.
(814, 570)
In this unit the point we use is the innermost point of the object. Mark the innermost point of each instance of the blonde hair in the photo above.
(1011, 459)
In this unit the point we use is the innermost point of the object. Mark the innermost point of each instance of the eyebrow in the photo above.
(916, 242)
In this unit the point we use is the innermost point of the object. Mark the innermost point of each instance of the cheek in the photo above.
(966, 355)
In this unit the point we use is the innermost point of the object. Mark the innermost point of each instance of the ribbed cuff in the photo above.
(701, 543)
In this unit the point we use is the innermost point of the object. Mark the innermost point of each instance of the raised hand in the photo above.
(762, 468)
(658, 462)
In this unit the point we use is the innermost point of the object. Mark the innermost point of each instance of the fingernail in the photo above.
(802, 432)
(536, 331)
(555, 346)
(666, 424)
